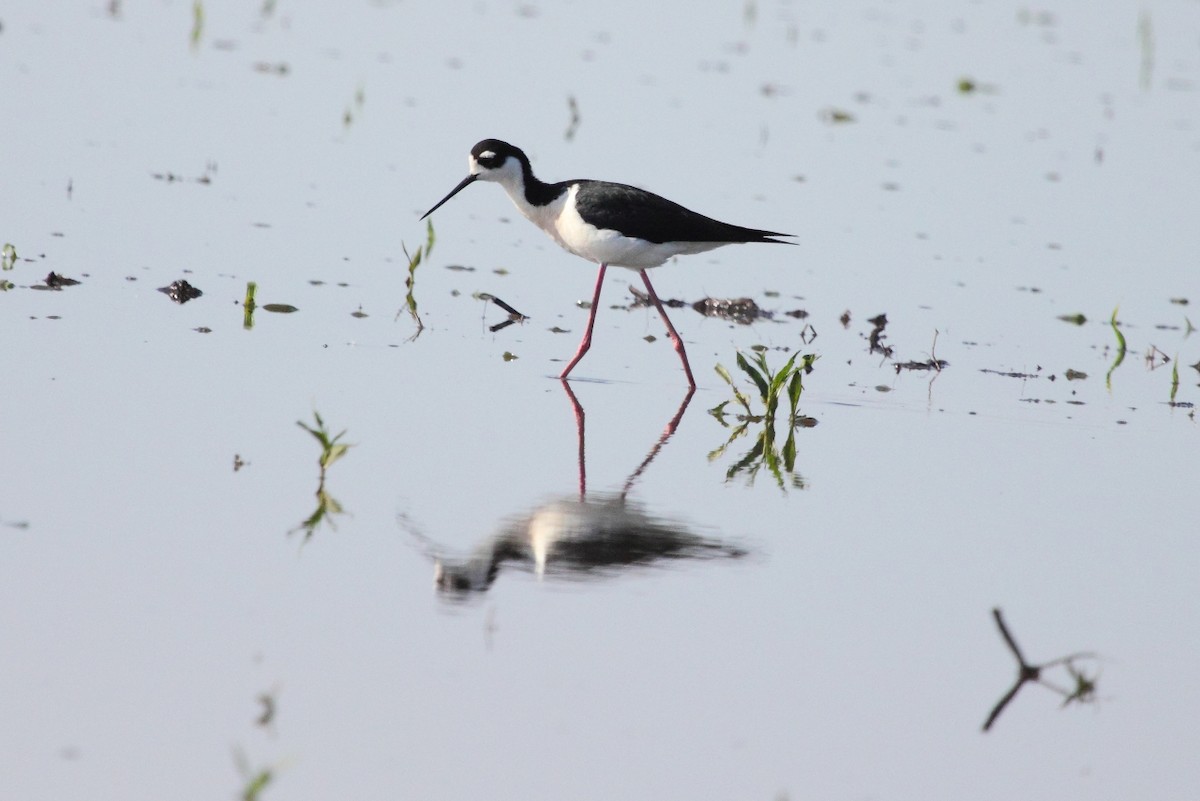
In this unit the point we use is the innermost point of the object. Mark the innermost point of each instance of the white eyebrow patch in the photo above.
(487, 154)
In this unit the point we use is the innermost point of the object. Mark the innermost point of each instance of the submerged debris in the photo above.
(205, 177)
(739, 310)
(1009, 373)
(876, 337)
(640, 298)
(56, 282)
(180, 291)
(928, 364)
(514, 316)
(1082, 689)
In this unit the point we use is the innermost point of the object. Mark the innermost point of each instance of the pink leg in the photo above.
(586, 342)
(579, 429)
(675, 340)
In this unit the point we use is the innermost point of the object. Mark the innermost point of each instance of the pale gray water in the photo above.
(149, 593)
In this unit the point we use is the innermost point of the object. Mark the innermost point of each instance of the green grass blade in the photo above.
(429, 237)
(795, 387)
(1120, 349)
(782, 376)
(721, 371)
(755, 376)
(789, 450)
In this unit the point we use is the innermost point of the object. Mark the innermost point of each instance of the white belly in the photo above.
(601, 245)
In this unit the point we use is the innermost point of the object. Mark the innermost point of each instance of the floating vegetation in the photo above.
(966, 86)
(772, 386)
(197, 23)
(180, 291)
(248, 305)
(1074, 319)
(280, 308)
(414, 261)
(836, 116)
(1083, 689)
(1175, 383)
(8, 256)
(1120, 350)
(332, 449)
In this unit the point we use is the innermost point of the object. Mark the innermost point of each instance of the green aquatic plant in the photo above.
(1174, 379)
(414, 261)
(197, 23)
(256, 779)
(248, 305)
(332, 449)
(8, 256)
(1120, 349)
(772, 386)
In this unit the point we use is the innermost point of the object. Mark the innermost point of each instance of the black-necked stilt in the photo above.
(605, 223)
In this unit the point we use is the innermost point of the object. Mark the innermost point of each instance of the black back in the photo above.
(637, 213)
(618, 207)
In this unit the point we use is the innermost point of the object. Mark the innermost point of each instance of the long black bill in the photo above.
(470, 179)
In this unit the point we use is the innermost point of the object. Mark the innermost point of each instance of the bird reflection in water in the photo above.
(581, 538)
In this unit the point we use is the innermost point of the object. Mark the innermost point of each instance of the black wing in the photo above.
(644, 215)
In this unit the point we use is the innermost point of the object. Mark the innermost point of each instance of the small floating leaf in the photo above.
(1174, 378)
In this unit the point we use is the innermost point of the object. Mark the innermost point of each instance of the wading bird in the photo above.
(606, 223)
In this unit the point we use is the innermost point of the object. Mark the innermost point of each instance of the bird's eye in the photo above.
(488, 159)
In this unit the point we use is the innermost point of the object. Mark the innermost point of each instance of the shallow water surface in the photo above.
(508, 587)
